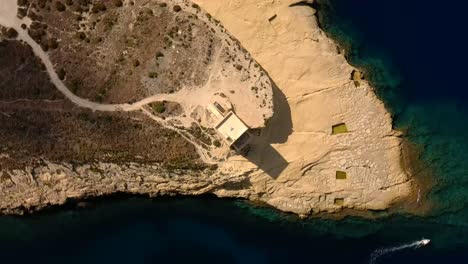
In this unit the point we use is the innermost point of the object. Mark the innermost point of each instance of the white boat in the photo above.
(425, 241)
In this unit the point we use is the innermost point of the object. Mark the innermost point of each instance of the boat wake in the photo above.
(384, 251)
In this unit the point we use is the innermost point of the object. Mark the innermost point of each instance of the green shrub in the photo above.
(61, 73)
(177, 8)
(52, 43)
(59, 6)
(153, 75)
(81, 35)
(159, 55)
(84, 2)
(118, 3)
(75, 85)
(158, 107)
(99, 98)
(98, 7)
(11, 33)
(41, 3)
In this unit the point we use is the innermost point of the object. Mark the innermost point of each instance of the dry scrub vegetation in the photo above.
(38, 124)
(118, 52)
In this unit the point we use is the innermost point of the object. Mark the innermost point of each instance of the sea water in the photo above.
(414, 54)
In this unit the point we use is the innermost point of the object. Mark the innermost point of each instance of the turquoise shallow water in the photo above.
(413, 54)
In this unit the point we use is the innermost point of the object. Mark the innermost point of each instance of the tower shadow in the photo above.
(277, 131)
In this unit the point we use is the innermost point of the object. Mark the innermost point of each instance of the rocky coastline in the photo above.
(297, 163)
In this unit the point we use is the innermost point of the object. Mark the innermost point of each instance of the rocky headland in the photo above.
(95, 99)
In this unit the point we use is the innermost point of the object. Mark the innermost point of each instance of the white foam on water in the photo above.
(384, 251)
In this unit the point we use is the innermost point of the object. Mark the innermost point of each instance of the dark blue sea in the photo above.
(415, 54)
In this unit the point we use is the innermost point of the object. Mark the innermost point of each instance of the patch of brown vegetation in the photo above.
(59, 132)
(39, 124)
(9, 33)
(117, 53)
(22, 75)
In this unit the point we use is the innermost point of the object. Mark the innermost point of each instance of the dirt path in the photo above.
(8, 18)
(185, 97)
